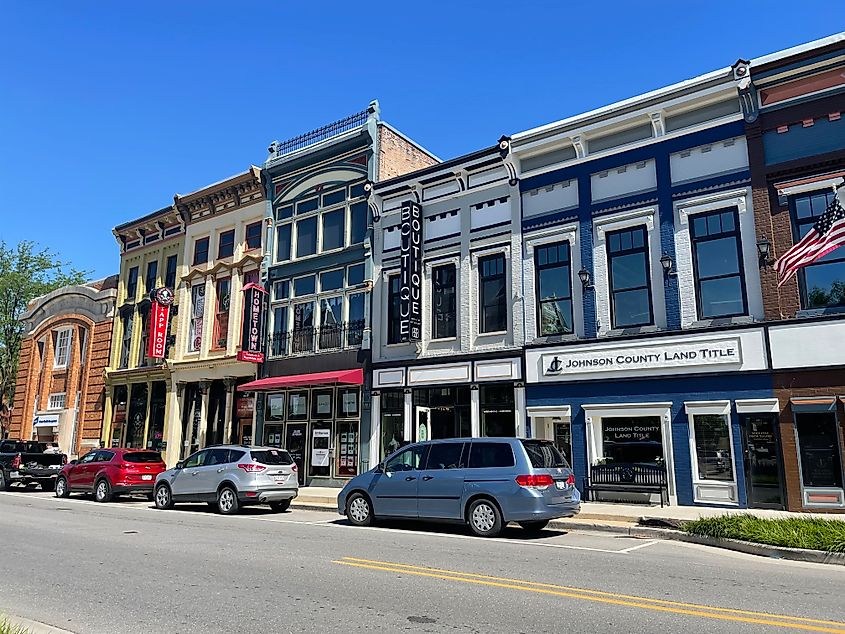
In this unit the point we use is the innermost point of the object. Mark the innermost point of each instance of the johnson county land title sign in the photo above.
(644, 357)
(410, 273)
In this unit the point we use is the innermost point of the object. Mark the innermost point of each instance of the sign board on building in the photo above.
(46, 420)
(410, 273)
(161, 298)
(320, 447)
(252, 328)
(645, 356)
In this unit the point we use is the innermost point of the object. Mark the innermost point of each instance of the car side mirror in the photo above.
(74, 461)
(180, 465)
(380, 467)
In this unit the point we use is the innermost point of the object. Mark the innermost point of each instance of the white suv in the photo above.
(230, 476)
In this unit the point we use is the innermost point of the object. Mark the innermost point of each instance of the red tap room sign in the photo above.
(161, 298)
(253, 324)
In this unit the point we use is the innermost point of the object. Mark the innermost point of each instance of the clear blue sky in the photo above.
(109, 108)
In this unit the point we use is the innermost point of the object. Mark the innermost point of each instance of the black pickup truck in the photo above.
(25, 462)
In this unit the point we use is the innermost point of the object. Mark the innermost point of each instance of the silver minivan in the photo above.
(230, 476)
(484, 482)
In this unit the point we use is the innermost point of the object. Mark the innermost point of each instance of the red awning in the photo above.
(346, 377)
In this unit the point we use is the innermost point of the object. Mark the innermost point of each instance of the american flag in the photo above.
(827, 234)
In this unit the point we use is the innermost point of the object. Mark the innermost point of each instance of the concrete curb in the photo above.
(33, 627)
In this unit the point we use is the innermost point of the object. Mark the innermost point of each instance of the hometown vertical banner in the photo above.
(161, 298)
(410, 278)
(252, 325)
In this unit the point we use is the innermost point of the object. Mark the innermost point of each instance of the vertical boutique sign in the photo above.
(410, 274)
(253, 324)
(161, 299)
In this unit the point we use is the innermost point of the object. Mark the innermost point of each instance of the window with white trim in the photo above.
(629, 277)
(492, 294)
(717, 263)
(61, 352)
(197, 314)
(56, 401)
(713, 459)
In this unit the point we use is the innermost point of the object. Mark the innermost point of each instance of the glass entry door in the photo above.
(762, 461)
(423, 429)
(295, 444)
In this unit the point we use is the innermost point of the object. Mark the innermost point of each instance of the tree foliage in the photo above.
(26, 271)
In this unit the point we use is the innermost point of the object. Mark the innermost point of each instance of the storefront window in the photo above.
(275, 407)
(449, 410)
(298, 405)
(632, 439)
(137, 416)
(347, 445)
(563, 440)
(497, 410)
(392, 421)
(818, 447)
(713, 447)
(348, 405)
(155, 433)
(321, 403)
(119, 415)
(321, 434)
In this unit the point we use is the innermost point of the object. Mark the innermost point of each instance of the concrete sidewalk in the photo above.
(593, 512)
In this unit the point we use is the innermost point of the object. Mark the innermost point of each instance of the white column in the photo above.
(227, 419)
(409, 415)
(519, 411)
(474, 411)
(375, 428)
(203, 423)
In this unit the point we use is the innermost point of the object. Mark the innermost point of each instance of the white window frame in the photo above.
(192, 320)
(564, 233)
(428, 307)
(58, 362)
(741, 200)
(601, 266)
(704, 490)
(54, 399)
(475, 293)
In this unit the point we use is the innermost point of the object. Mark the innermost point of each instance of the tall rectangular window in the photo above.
(145, 326)
(226, 244)
(126, 341)
(279, 340)
(493, 301)
(554, 289)
(334, 229)
(152, 273)
(713, 452)
(818, 449)
(62, 347)
(302, 338)
(443, 311)
(253, 236)
(717, 259)
(630, 281)
(394, 307)
(201, 251)
(132, 284)
(355, 319)
(197, 314)
(358, 223)
(221, 314)
(822, 283)
(283, 242)
(306, 237)
(170, 275)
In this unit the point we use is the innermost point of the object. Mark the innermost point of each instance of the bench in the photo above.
(627, 477)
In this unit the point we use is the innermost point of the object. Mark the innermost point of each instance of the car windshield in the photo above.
(272, 456)
(543, 454)
(142, 456)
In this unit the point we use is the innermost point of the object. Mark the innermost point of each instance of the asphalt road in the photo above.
(126, 567)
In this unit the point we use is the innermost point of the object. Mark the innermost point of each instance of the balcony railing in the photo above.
(278, 149)
(323, 339)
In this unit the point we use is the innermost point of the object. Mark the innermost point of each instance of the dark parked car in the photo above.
(110, 472)
(25, 462)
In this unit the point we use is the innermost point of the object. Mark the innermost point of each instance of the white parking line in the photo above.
(334, 523)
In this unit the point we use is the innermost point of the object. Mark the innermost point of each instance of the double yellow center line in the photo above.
(644, 603)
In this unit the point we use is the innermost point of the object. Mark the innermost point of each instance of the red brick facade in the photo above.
(398, 156)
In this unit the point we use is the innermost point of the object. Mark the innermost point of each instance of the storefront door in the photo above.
(423, 429)
(760, 443)
(295, 444)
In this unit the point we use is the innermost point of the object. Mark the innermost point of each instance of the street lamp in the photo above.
(584, 276)
(764, 248)
(666, 262)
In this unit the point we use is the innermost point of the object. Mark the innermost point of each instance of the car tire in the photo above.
(5, 483)
(47, 485)
(163, 497)
(485, 518)
(102, 491)
(280, 507)
(62, 488)
(534, 526)
(227, 501)
(359, 510)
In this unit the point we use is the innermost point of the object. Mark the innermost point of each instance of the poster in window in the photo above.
(276, 406)
(324, 403)
(320, 447)
(350, 403)
(297, 404)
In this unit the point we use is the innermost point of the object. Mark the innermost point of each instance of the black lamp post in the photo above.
(584, 276)
(764, 248)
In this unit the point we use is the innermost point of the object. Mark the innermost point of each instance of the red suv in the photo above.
(110, 472)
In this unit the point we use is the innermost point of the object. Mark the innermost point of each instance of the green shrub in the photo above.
(10, 628)
(794, 532)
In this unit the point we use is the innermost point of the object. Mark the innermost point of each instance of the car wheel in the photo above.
(102, 491)
(359, 510)
(62, 489)
(163, 497)
(227, 501)
(5, 484)
(280, 507)
(484, 518)
(534, 527)
(47, 485)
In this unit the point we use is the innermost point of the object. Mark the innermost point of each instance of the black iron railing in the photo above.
(278, 149)
(307, 340)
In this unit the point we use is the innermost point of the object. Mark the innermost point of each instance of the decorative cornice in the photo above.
(232, 194)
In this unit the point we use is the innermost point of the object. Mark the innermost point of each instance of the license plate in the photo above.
(146, 477)
(560, 484)
(55, 466)
(281, 478)
(13, 474)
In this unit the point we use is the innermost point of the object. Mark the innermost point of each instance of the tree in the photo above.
(26, 271)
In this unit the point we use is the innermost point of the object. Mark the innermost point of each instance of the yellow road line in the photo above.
(659, 605)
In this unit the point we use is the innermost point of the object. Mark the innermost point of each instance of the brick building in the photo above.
(793, 102)
(60, 396)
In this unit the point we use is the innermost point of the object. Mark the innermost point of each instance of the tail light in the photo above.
(571, 480)
(250, 467)
(64, 459)
(294, 468)
(16, 461)
(542, 481)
